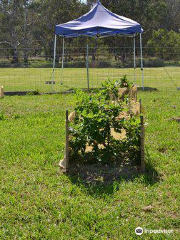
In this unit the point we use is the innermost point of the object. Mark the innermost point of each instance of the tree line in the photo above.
(27, 26)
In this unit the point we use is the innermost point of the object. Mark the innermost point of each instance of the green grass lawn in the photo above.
(29, 79)
(37, 202)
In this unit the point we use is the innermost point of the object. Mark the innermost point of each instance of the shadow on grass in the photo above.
(148, 89)
(151, 176)
(101, 181)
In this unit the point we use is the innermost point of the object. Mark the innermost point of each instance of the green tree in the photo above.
(172, 20)
(53, 12)
(165, 44)
(18, 19)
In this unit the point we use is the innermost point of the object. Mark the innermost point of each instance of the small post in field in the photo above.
(142, 147)
(67, 144)
(1, 92)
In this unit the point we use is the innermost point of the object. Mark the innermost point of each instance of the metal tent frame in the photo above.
(129, 28)
(87, 61)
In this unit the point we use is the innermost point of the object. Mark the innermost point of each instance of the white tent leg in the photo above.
(87, 66)
(134, 58)
(62, 68)
(54, 60)
(142, 69)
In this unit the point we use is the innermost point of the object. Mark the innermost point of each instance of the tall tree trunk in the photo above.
(26, 55)
(15, 55)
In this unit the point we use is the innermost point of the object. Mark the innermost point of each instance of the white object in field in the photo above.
(1, 92)
(71, 116)
(62, 163)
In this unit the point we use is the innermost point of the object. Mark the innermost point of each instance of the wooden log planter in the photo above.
(65, 163)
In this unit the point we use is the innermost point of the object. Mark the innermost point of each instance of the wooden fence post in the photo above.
(140, 103)
(142, 145)
(67, 144)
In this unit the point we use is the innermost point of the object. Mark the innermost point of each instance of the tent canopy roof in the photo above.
(98, 22)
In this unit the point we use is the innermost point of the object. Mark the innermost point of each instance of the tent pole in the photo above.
(62, 67)
(54, 60)
(134, 58)
(142, 68)
(87, 66)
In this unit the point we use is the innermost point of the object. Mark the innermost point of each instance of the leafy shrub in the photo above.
(96, 115)
(125, 83)
(152, 62)
(156, 62)
(79, 64)
(148, 62)
(165, 44)
(104, 64)
(2, 116)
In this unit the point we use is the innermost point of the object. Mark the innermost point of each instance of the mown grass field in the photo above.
(30, 79)
(37, 202)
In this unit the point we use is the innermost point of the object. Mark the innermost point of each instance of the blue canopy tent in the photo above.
(99, 22)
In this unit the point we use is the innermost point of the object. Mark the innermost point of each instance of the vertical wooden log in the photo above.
(1, 92)
(67, 144)
(142, 145)
(140, 104)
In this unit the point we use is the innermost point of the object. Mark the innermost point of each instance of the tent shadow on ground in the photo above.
(98, 183)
